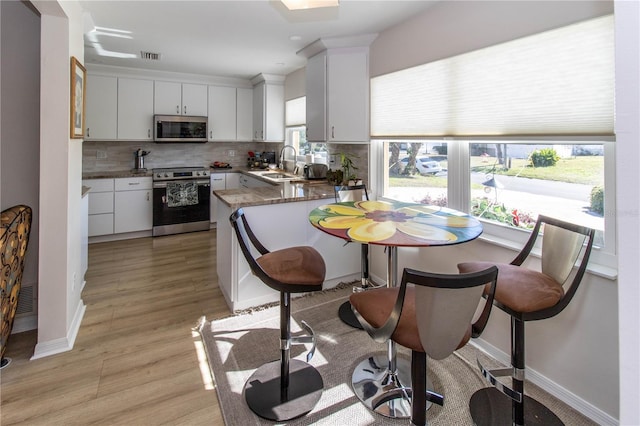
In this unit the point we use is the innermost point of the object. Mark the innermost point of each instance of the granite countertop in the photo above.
(116, 174)
(286, 192)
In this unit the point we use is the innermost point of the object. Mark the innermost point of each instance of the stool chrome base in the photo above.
(491, 407)
(372, 379)
(263, 394)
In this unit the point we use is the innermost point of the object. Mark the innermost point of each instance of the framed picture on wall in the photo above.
(78, 86)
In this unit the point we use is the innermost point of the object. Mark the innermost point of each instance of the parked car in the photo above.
(425, 165)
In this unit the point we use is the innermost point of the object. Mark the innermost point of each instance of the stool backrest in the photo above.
(446, 305)
(566, 248)
(350, 193)
(248, 240)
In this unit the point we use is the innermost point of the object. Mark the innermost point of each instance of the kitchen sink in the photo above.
(276, 176)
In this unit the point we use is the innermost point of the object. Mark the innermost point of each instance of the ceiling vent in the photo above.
(150, 56)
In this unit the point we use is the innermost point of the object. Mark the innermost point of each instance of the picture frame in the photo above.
(78, 88)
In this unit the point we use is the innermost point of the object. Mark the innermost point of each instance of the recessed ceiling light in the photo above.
(309, 4)
(295, 38)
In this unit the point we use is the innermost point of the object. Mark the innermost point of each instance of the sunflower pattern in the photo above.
(395, 223)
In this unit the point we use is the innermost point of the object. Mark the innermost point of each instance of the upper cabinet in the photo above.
(268, 108)
(230, 114)
(101, 108)
(135, 109)
(337, 89)
(172, 98)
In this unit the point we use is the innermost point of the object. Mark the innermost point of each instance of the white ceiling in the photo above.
(227, 38)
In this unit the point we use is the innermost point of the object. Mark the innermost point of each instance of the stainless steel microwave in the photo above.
(179, 128)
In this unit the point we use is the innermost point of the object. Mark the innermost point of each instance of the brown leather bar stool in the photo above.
(432, 318)
(286, 388)
(528, 295)
(354, 193)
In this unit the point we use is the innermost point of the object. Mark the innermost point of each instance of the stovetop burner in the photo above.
(173, 173)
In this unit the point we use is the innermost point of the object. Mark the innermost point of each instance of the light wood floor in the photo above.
(135, 360)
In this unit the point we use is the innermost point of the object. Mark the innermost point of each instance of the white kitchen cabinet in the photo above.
(133, 205)
(100, 209)
(172, 98)
(268, 110)
(218, 183)
(101, 108)
(232, 180)
(244, 114)
(337, 96)
(222, 113)
(135, 109)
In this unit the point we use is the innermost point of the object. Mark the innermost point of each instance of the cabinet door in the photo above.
(218, 182)
(222, 113)
(167, 97)
(348, 97)
(244, 114)
(316, 81)
(101, 108)
(135, 109)
(274, 113)
(133, 211)
(194, 99)
(258, 112)
(232, 181)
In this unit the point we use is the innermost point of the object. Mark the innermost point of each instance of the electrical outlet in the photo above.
(232, 153)
(75, 280)
(101, 154)
(333, 160)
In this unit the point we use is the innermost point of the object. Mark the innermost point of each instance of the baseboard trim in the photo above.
(64, 344)
(564, 395)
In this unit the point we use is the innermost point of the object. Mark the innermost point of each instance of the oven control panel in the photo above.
(175, 174)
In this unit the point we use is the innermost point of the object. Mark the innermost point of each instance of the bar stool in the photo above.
(528, 295)
(432, 318)
(286, 388)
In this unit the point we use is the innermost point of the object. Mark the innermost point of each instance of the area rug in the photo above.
(237, 345)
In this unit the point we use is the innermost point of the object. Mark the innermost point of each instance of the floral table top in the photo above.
(395, 223)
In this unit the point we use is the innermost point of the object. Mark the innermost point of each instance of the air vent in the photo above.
(25, 300)
(150, 56)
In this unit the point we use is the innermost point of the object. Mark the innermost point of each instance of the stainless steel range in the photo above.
(180, 200)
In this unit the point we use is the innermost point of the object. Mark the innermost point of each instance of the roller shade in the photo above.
(295, 112)
(559, 82)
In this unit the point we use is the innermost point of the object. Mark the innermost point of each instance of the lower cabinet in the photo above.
(218, 183)
(120, 205)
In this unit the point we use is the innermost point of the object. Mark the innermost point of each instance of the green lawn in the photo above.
(588, 170)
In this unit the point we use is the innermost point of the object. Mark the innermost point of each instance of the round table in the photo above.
(393, 225)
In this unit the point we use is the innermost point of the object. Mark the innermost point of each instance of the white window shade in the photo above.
(296, 112)
(560, 82)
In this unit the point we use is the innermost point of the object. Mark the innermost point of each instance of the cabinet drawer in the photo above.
(99, 185)
(100, 202)
(100, 224)
(133, 184)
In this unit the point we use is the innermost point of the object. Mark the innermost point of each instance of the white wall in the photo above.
(19, 127)
(627, 24)
(575, 354)
(60, 306)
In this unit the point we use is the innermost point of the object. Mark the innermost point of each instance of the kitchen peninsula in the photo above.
(278, 215)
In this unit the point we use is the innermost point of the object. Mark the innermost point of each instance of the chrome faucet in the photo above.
(295, 156)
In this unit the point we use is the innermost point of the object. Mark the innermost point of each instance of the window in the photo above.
(506, 132)
(296, 134)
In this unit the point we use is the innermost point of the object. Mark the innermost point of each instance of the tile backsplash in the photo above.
(119, 155)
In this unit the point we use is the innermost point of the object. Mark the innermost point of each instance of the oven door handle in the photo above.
(163, 184)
